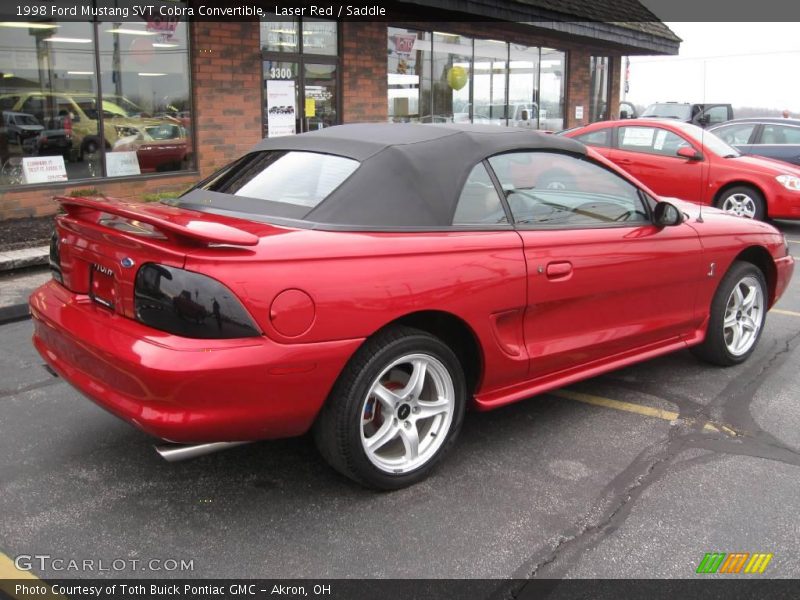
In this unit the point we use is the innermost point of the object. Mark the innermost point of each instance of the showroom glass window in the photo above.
(599, 70)
(552, 74)
(440, 77)
(490, 76)
(452, 76)
(408, 75)
(301, 75)
(523, 82)
(97, 99)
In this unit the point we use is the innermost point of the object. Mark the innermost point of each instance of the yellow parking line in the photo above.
(790, 313)
(10, 572)
(639, 409)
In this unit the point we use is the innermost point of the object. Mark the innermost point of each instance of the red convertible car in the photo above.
(372, 282)
(684, 161)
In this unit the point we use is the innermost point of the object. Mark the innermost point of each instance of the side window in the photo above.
(652, 140)
(780, 134)
(479, 202)
(547, 189)
(717, 114)
(736, 134)
(596, 138)
(34, 105)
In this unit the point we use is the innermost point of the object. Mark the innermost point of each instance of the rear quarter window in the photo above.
(596, 138)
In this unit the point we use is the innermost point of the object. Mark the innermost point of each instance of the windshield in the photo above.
(709, 140)
(682, 112)
(26, 120)
(123, 105)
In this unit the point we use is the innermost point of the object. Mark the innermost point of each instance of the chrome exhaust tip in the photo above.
(179, 452)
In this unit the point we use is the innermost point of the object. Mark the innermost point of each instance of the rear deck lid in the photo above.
(100, 244)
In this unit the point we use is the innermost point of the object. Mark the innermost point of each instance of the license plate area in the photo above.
(101, 286)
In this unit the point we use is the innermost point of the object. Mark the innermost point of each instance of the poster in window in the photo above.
(43, 169)
(280, 108)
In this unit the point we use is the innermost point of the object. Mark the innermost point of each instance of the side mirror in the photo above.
(667, 215)
(524, 115)
(623, 114)
(689, 153)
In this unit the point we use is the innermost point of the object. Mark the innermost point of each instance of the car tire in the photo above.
(737, 319)
(743, 201)
(380, 429)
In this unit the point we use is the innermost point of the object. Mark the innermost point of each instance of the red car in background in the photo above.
(680, 160)
(158, 147)
(370, 282)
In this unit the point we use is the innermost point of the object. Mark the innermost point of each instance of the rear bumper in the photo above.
(179, 389)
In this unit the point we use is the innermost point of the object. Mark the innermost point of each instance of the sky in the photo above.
(745, 64)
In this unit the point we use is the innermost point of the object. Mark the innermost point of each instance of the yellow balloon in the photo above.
(457, 77)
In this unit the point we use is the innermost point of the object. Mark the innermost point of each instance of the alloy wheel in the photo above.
(744, 313)
(407, 413)
(740, 204)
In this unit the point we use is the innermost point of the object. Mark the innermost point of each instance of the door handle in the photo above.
(624, 161)
(559, 270)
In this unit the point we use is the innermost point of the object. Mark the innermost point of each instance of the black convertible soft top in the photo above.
(410, 175)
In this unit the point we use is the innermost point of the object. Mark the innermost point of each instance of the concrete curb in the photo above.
(14, 312)
(27, 257)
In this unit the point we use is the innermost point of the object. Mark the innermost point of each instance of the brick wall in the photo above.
(578, 87)
(227, 92)
(364, 83)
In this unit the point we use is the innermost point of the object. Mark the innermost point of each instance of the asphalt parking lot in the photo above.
(637, 473)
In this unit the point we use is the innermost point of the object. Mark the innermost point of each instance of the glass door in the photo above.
(319, 92)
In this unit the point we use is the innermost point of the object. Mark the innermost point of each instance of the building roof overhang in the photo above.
(625, 26)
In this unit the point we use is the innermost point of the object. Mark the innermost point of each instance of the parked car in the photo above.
(681, 160)
(21, 126)
(50, 142)
(81, 111)
(54, 139)
(162, 147)
(517, 114)
(774, 138)
(702, 115)
(370, 282)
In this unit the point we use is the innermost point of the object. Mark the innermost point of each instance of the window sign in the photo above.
(280, 107)
(119, 164)
(638, 136)
(43, 169)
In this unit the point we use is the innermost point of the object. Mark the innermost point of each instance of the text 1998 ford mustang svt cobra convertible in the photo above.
(371, 282)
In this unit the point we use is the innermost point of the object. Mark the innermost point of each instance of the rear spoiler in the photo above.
(169, 220)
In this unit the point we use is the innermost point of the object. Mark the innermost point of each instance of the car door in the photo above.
(649, 153)
(779, 141)
(602, 280)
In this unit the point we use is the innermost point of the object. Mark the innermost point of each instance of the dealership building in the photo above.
(143, 106)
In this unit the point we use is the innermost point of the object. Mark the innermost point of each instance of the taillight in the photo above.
(189, 304)
(55, 258)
